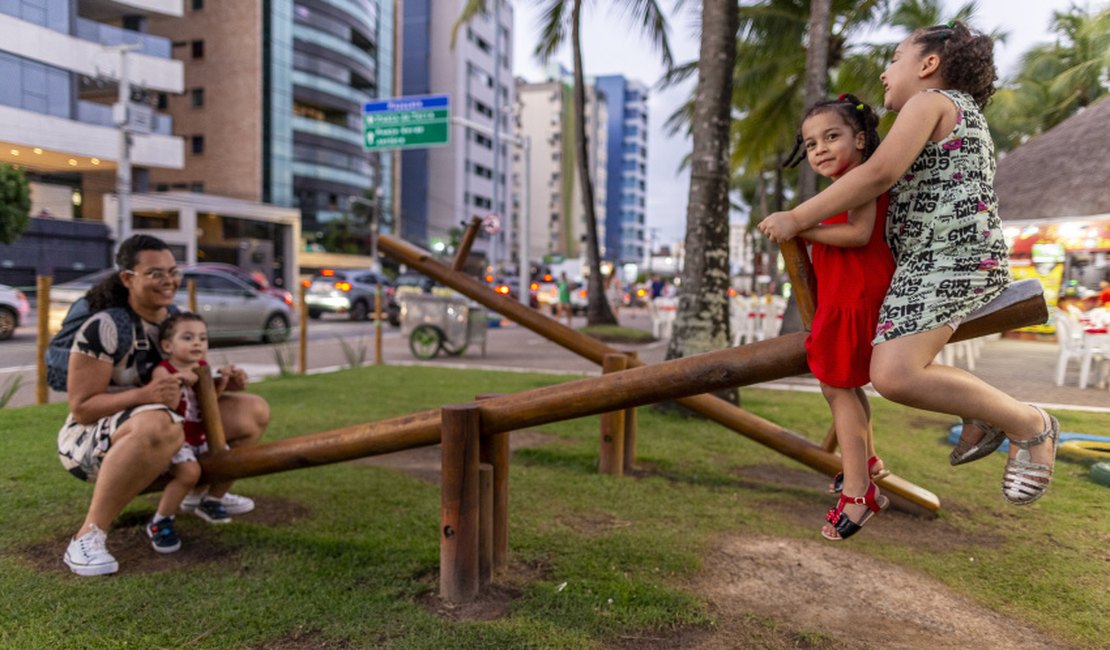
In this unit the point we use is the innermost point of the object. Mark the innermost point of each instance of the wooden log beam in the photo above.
(469, 235)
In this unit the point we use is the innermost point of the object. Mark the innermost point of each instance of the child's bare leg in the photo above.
(866, 405)
(902, 370)
(185, 476)
(850, 420)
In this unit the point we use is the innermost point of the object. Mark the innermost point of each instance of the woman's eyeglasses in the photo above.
(157, 275)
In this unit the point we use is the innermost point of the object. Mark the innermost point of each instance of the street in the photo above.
(1023, 369)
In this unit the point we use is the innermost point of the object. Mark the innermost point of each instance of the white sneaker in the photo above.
(235, 504)
(88, 554)
(191, 501)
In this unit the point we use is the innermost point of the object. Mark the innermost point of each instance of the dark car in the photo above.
(350, 292)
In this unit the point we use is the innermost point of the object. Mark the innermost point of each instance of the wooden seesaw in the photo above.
(465, 428)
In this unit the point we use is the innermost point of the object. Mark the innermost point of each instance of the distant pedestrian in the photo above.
(564, 298)
(657, 285)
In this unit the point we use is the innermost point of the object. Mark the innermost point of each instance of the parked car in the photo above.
(235, 309)
(232, 308)
(412, 281)
(256, 280)
(350, 292)
(508, 287)
(13, 310)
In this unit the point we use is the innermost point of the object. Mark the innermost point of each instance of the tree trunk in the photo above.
(701, 324)
(817, 73)
(597, 309)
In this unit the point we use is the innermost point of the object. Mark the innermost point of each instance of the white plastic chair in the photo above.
(1070, 342)
(1094, 348)
(663, 311)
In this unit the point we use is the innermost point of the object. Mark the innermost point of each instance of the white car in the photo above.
(13, 310)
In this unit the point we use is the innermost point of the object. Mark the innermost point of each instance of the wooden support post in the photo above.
(468, 237)
(378, 324)
(210, 410)
(485, 525)
(42, 299)
(208, 403)
(630, 422)
(802, 279)
(494, 450)
(612, 425)
(191, 288)
(829, 443)
(459, 525)
(303, 356)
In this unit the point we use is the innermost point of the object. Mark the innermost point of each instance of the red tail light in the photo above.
(503, 290)
(489, 278)
(343, 286)
(327, 273)
(582, 293)
(547, 278)
(306, 284)
(287, 299)
(534, 286)
(389, 291)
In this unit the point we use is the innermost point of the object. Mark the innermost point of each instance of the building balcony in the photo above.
(90, 30)
(101, 114)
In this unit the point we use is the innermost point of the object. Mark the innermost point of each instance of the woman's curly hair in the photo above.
(111, 292)
(966, 58)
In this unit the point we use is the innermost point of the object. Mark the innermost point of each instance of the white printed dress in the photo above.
(944, 230)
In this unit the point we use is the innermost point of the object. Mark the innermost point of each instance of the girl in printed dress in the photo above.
(853, 265)
(950, 256)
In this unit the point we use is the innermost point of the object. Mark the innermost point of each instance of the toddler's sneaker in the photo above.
(235, 504)
(162, 536)
(212, 511)
(88, 554)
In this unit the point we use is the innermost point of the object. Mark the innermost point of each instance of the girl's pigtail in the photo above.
(797, 154)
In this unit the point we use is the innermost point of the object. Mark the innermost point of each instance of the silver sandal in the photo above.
(1024, 482)
(965, 452)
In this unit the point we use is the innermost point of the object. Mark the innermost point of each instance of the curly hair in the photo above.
(110, 292)
(166, 329)
(966, 58)
(855, 113)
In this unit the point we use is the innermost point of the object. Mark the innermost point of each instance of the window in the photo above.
(197, 144)
(163, 100)
(162, 187)
(198, 5)
(197, 187)
(198, 49)
(196, 96)
(482, 140)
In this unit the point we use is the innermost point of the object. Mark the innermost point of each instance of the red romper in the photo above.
(189, 409)
(851, 285)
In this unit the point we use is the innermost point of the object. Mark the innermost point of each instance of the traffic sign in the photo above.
(406, 122)
(491, 224)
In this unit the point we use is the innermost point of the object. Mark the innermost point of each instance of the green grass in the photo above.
(617, 333)
(355, 562)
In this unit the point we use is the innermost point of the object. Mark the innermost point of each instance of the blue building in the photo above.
(627, 168)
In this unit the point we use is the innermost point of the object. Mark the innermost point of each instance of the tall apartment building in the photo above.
(442, 187)
(544, 114)
(60, 79)
(625, 207)
(272, 108)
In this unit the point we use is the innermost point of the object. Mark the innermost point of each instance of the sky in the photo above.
(611, 45)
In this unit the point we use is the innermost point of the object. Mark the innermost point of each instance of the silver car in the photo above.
(13, 310)
(231, 308)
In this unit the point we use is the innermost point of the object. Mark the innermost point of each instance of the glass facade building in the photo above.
(627, 168)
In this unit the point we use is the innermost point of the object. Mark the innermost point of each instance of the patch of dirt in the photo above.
(593, 523)
(423, 462)
(825, 591)
(128, 542)
(495, 602)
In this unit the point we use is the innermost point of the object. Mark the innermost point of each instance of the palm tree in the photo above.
(557, 21)
(1056, 79)
(702, 320)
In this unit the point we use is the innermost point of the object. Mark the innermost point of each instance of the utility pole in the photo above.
(525, 144)
(122, 114)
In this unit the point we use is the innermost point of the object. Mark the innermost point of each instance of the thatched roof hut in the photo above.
(1064, 172)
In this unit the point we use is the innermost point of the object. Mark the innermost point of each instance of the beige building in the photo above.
(544, 114)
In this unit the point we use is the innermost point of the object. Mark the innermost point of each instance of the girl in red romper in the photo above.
(853, 265)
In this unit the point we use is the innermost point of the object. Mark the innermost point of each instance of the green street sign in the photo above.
(406, 123)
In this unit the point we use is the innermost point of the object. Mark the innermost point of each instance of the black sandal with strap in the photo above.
(843, 524)
(837, 486)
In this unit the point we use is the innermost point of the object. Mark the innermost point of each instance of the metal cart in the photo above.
(449, 323)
